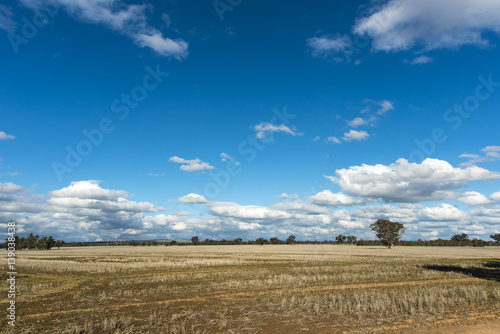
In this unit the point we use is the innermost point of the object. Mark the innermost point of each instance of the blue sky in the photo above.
(225, 119)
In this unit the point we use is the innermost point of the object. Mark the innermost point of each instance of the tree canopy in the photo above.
(388, 232)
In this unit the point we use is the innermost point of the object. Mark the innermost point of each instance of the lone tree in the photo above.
(195, 240)
(495, 237)
(388, 232)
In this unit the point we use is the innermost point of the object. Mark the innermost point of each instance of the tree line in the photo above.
(33, 241)
(388, 234)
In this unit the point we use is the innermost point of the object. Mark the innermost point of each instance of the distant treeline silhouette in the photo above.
(34, 242)
(457, 240)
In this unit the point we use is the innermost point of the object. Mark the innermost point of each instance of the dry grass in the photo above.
(246, 289)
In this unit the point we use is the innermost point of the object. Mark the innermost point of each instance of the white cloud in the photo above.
(355, 135)
(422, 60)
(358, 121)
(409, 182)
(299, 206)
(263, 130)
(224, 157)
(80, 211)
(492, 151)
(166, 18)
(4, 136)
(331, 178)
(6, 22)
(193, 198)
(473, 198)
(404, 24)
(495, 197)
(329, 45)
(385, 106)
(327, 198)
(191, 165)
(443, 212)
(162, 45)
(333, 140)
(88, 190)
(287, 196)
(90, 212)
(473, 159)
(251, 212)
(128, 19)
(180, 226)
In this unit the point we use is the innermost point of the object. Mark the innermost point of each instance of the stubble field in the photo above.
(255, 289)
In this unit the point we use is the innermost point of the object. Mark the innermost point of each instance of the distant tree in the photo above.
(49, 243)
(352, 239)
(195, 240)
(261, 241)
(478, 242)
(59, 243)
(290, 240)
(388, 232)
(173, 243)
(496, 237)
(340, 239)
(31, 241)
(238, 241)
(460, 237)
(275, 241)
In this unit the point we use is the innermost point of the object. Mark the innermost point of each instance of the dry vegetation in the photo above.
(253, 289)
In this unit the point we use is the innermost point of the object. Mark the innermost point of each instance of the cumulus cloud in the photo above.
(327, 198)
(88, 190)
(191, 165)
(355, 135)
(402, 181)
(299, 206)
(4, 136)
(473, 198)
(264, 130)
(82, 210)
(128, 19)
(252, 212)
(85, 210)
(495, 196)
(443, 212)
(193, 198)
(404, 24)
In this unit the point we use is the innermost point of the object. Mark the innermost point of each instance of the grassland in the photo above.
(254, 289)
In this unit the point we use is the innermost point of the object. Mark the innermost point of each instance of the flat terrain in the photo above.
(257, 289)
